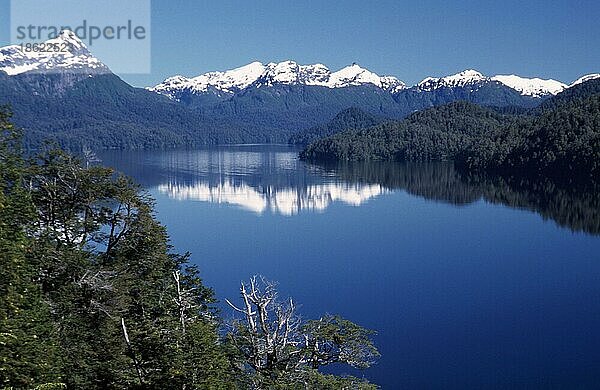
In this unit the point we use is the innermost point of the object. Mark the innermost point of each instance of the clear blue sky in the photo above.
(408, 39)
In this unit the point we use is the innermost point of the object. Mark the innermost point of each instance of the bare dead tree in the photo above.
(274, 342)
(132, 352)
(185, 301)
(90, 157)
(270, 333)
(98, 282)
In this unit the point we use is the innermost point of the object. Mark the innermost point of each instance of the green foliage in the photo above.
(27, 342)
(436, 134)
(311, 379)
(333, 339)
(84, 264)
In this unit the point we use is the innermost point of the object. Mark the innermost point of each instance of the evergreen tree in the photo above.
(28, 351)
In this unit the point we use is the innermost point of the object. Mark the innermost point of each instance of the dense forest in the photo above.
(352, 118)
(92, 295)
(562, 137)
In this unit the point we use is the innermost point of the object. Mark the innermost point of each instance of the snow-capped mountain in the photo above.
(287, 73)
(254, 103)
(585, 78)
(70, 55)
(64, 54)
(229, 82)
(462, 79)
(534, 87)
(257, 75)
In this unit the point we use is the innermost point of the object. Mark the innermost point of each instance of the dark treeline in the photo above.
(561, 138)
(352, 118)
(574, 205)
(92, 296)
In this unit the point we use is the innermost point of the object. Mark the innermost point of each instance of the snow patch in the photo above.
(535, 87)
(585, 78)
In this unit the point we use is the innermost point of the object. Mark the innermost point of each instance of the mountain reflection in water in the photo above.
(270, 178)
(285, 201)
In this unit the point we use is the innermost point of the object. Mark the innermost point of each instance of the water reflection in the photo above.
(285, 201)
(264, 179)
(574, 205)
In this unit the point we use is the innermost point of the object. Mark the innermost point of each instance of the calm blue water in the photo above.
(470, 284)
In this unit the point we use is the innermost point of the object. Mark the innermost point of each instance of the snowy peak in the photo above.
(585, 78)
(465, 77)
(233, 80)
(289, 72)
(534, 87)
(462, 79)
(64, 54)
(392, 84)
(356, 75)
(229, 82)
(286, 73)
(258, 75)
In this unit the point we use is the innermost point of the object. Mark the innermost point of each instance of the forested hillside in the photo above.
(436, 134)
(352, 118)
(560, 138)
(101, 111)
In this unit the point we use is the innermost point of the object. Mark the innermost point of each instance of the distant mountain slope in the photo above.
(105, 112)
(286, 96)
(72, 97)
(470, 86)
(562, 140)
(352, 118)
(285, 109)
(580, 90)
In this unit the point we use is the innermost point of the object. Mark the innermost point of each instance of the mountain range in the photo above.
(256, 75)
(73, 98)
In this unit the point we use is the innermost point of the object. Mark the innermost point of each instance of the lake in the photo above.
(470, 282)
